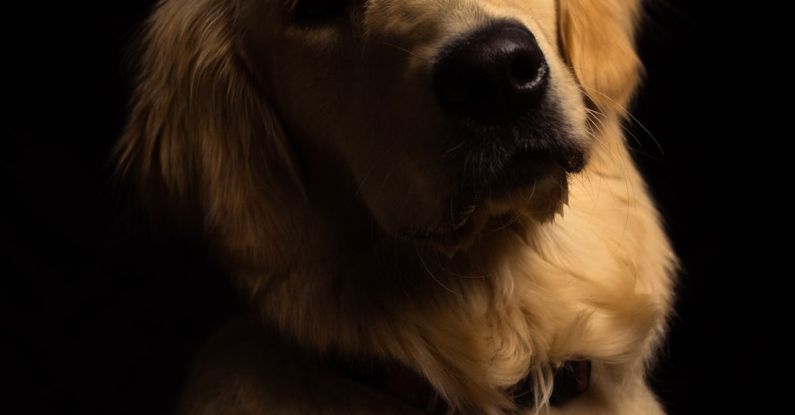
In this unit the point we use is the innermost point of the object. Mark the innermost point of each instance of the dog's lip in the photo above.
(531, 169)
(526, 169)
(569, 160)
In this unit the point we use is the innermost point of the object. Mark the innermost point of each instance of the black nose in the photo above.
(494, 75)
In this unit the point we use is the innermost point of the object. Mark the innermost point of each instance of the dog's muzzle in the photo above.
(492, 76)
(494, 87)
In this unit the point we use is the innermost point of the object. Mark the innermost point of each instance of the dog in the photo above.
(429, 203)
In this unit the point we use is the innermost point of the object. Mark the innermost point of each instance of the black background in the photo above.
(100, 314)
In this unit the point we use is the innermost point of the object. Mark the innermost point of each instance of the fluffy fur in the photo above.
(306, 151)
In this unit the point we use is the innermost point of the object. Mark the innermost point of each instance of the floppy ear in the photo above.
(203, 143)
(598, 40)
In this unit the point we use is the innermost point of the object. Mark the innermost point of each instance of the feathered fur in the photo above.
(224, 133)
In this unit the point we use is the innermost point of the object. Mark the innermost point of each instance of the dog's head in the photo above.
(437, 118)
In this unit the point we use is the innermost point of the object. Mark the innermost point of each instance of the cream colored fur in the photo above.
(302, 152)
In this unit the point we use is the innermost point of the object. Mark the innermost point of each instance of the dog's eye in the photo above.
(318, 10)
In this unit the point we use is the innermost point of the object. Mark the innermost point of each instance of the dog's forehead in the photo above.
(461, 9)
(442, 19)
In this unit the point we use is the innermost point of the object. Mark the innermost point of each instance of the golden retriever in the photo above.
(429, 202)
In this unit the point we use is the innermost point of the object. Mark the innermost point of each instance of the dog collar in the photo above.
(571, 379)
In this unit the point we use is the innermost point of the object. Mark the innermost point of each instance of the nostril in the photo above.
(526, 70)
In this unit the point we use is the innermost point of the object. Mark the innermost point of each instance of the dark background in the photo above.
(101, 314)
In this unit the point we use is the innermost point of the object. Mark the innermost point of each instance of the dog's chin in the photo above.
(514, 211)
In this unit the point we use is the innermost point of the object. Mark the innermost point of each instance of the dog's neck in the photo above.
(441, 317)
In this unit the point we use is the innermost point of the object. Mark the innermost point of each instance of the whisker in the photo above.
(629, 114)
(431, 274)
(400, 48)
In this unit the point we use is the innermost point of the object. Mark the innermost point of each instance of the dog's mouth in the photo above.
(532, 188)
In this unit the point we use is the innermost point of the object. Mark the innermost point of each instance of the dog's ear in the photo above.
(597, 37)
(203, 143)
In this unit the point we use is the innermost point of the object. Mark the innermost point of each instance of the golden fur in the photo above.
(304, 152)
